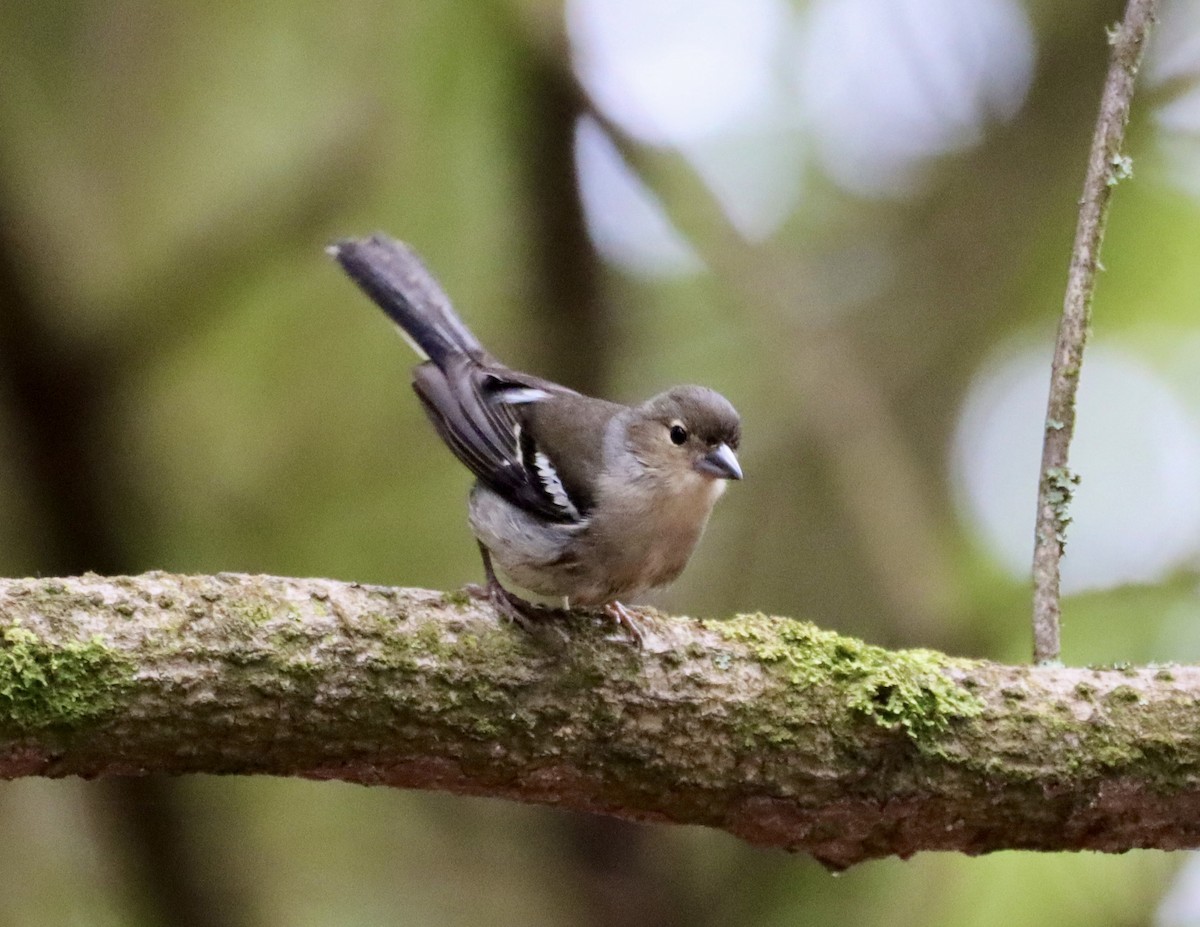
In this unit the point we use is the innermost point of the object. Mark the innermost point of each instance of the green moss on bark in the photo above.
(44, 685)
(909, 690)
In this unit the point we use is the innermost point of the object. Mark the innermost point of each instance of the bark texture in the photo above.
(769, 728)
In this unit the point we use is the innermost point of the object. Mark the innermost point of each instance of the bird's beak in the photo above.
(721, 463)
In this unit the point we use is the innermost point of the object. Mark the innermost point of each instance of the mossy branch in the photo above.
(768, 728)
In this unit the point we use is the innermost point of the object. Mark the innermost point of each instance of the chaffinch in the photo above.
(577, 500)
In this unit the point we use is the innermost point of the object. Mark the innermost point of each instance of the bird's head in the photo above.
(688, 431)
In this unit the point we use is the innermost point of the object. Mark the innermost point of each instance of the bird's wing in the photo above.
(478, 411)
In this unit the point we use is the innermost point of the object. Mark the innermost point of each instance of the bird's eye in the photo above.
(678, 434)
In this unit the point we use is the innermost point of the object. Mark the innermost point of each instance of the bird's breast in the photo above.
(644, 535)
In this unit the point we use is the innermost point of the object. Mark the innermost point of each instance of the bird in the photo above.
(577, 501)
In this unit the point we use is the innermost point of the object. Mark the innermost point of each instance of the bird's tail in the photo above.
(390, 272)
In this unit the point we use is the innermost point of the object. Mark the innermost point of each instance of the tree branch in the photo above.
(768, 728)
(1106, 167)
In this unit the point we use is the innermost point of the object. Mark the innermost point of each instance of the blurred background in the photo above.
(852, 217)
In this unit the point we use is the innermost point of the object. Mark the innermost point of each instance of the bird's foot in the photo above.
(626, 619)
(533, 618)
(525, 615)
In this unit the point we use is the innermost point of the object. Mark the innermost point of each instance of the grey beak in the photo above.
(720, 462)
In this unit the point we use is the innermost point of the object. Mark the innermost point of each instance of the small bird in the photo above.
(577, 500)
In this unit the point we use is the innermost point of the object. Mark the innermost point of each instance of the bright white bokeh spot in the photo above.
(1174, 57)
(880, 88)
(1174, 53)
(625, 221)
(756, 177)
(671, 72)
(1180, 907)
(1136, 513)
(1181, 114)
(888, 84)
(703, 77)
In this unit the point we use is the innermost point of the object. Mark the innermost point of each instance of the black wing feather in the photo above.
(483, 431)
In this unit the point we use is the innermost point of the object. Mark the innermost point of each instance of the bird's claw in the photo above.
(625, 618)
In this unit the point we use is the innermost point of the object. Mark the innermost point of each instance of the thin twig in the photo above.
(1106, 167)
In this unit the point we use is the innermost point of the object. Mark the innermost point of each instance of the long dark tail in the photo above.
(390, 272)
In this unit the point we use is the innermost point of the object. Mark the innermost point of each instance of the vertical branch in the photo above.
(1106, 167)
(571, 315)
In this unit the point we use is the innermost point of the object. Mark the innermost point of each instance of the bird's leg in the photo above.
(527, 614)
(624, 617)
(486, 591)
(510, 606)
